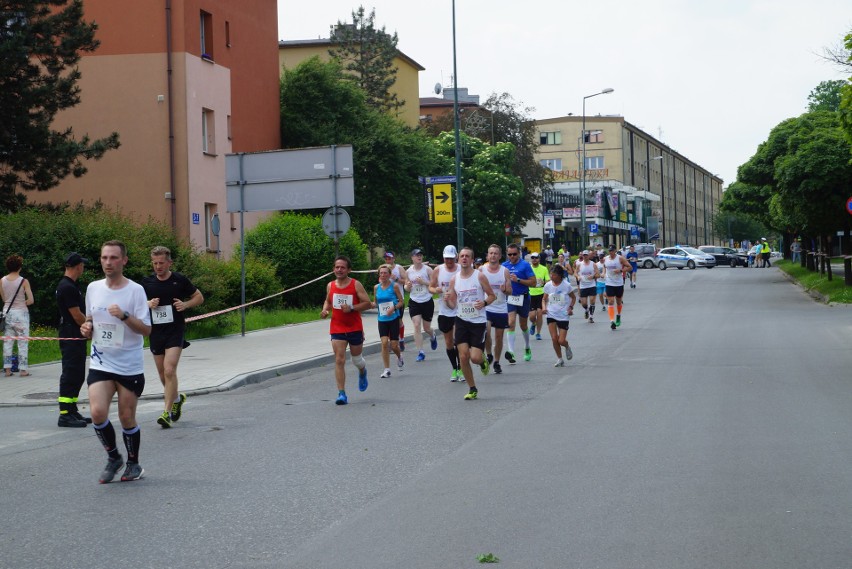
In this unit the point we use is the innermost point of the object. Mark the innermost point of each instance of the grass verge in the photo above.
(41, 351)
(834, 290)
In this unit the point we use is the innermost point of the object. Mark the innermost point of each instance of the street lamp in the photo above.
(583, 170)
(460, 220)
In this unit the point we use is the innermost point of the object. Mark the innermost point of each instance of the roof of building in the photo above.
(327, 42)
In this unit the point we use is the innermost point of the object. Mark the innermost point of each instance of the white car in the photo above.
(681, 257)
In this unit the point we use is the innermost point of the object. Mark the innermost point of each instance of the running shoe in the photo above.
(420, 357)
(134, 471)
(569, 354)
(510, 357)
(497, 369)
(111, 469)
(165, 420)
(177, 407)
(362, 381)
(586, 315)
(434, 340)
(471, 395)
(559, 363)
(538, 336)
(612, 325)
(385, 374)
(618, 320)
(454, 376)
(341, 399)
(532, 330)
(400, 365)
(402, 344)
(485, 366)
(490, 357)
(527, 355)
(591, 320)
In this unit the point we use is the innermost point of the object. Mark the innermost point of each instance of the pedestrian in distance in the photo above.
(17, 296)
(469, 293)
(615, 269)
(421, 306)
(390, 302)
(633, 258)
(796, 251)
(398, 275)
(442, 275)
(522, 277)
(345, 300)
(542, 275)
(117, 320)
(72, 315)
(169, 294)
(558, 306)
(497, 312)
(765, 253)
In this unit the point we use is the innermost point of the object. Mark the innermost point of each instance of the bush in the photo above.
(296, 244)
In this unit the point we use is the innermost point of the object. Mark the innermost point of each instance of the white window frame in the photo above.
(595, 163)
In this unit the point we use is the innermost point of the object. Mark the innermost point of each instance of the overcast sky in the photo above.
(708, 78)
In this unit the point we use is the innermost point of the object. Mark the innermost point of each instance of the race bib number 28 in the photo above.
(108, 335)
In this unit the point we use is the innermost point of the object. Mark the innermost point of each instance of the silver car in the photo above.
(681, 257)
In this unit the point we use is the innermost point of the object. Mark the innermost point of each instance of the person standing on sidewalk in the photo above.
(421, 306)
(522, 278)
(345, 300)
(765, 252)
(398, 276)
(497, 312)
(440, 284)
(17, 296)
(166, 291)
(117, 320)
(390, 302)
(558, 305)
(615, 269)
(72, 315)
(542, 275)
(469, 293)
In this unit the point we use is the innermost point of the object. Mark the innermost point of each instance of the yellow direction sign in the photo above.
(442, 203)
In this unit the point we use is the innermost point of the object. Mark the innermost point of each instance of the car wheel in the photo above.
(733, 263)
(662, 265)
(690, 264)
(710, 266)
(680, 268)
(649, 264)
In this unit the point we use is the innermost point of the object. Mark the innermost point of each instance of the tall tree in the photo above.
(40, 47)
(368, 54)
(826, 96)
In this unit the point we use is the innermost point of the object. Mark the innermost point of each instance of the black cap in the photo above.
(74, 259)
(417, 252)
(613, 247)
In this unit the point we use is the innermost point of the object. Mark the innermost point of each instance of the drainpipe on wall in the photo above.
(173, 199)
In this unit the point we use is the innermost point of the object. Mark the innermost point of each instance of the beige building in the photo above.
(637, 188)
(407, 86)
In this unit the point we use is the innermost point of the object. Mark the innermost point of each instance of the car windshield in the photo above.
(692, 251)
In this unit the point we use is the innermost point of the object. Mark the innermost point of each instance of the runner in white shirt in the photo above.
(421, 307)
(587, 273)
(558, 306)
(440, 284)
(616, 268)
(497, 313)
(469, 293)
(117, 319)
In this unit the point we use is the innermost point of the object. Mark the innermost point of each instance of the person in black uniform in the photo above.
(166, 291)
(72, 314)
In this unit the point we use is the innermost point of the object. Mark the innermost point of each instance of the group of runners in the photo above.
(480, 306)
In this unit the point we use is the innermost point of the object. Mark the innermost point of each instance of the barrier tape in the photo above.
(201, 316)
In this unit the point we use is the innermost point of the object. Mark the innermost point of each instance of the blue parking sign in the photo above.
(593, 228)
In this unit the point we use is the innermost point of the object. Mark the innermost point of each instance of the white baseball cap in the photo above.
(450, 252)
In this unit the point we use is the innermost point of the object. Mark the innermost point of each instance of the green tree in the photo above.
(739, 227)
(368, 54)
(826, 96)
(40, 47)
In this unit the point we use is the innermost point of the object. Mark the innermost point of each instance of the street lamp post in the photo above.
(460, 219)
(583, 171)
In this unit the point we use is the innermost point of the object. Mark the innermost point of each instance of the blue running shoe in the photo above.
(362, 380)
(532, 330)
(433, 341)
(420, 357)
(341, 399)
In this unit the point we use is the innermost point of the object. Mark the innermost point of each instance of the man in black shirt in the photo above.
(72, 314)
(166, 292)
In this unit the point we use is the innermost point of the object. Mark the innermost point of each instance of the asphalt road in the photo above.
(711, 430)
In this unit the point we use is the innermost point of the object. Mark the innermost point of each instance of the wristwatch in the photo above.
(125, 316)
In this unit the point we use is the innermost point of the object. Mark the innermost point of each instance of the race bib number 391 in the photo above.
(338, 300)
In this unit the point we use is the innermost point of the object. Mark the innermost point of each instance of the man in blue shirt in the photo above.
(522, 277)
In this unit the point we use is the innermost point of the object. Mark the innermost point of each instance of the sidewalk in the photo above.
(216, 364)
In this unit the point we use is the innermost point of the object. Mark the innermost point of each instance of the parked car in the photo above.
(681, 257)
(725, 256)
(647, 254)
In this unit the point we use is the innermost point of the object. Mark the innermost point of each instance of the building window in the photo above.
(230, 136)
(551, 137)
(208, 132)
(553, 164)
(206, 36)
(210, 242)
(228, 34)
(594, 162)
(594, 136)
